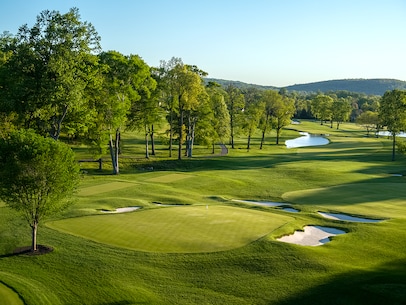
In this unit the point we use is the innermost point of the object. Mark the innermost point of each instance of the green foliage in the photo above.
(44, 79)
(38, 175)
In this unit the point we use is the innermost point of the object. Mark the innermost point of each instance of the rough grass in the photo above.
(352, 174)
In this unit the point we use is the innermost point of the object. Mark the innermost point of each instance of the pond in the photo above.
(307, 140)
(388, 134)
(345, 217)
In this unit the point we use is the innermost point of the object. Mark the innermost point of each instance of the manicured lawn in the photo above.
(213, 250)
(176, 229)
(9, 297)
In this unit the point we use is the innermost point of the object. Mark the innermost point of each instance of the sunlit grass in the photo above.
(236, 258)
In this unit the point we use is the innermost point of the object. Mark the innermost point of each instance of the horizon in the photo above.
(315, 82)
(262, 42)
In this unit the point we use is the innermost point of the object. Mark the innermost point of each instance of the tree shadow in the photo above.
(384, 285)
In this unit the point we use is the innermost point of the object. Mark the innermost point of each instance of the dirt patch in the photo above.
(41, 249)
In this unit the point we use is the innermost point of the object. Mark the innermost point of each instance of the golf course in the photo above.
(208, 229)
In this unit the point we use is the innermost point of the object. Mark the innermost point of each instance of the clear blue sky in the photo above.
(267, 42)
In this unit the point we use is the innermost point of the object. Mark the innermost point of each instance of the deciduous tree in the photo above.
(48, 70)
(392, 114)
(37, 176)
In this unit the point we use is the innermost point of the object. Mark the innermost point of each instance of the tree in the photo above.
(369, 120)
(183, 85)
(48, 70)
(220, 120)
(271, 98)
(235, 104)
(38, 176)
(321, 107)
(252, 115)
(340, 111)
(392, 114)
(283, 112)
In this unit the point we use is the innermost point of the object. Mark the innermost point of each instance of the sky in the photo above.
(265, 42)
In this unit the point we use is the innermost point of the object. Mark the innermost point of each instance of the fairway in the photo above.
(104, 188)
(8, 296)
(176, 229)
(169, 178)
(373, 199)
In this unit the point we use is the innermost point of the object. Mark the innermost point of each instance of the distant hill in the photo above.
(366, 86)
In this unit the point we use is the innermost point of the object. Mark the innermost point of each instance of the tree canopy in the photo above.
(37, 176)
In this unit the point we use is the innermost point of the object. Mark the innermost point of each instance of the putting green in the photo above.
(104, 188)
(8, 296)
(169, 178)
(176, 229)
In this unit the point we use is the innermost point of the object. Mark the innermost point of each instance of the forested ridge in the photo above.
(376, 86)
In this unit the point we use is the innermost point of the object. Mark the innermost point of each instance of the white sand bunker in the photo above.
(344, 217)
(263, 203)
(121, 210)
(311, 236)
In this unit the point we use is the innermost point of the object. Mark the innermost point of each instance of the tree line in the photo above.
(55, 79)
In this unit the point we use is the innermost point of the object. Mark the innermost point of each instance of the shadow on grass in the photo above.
(124, 302)
(385, 285)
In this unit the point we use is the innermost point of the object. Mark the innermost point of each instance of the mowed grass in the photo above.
(176, 229)
(9, 297)
(353, 174)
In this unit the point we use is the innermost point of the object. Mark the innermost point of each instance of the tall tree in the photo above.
(166, 80)
(272, 99)
(369, 120)
(235, 104)
(392, 114)
(49, 70)
(251, 118)
(220, 120)
(321, 107)
(284, 110)
(340, 111)
(146, 112)
(37, 176)
(124, 81)
(183, 85)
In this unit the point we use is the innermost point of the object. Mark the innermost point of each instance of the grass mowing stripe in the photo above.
(168, 178)
(8, 296)
(176, 229)
(104, 188)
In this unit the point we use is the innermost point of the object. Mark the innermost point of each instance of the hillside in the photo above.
(367, 86)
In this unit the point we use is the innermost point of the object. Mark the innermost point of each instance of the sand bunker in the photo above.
(344, 217)
(121, 210)
(263, 203)
(311, 236)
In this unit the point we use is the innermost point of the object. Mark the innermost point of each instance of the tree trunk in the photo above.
(170, 134)
(393, 146)
(180, 135)
(34, 228)
(263, 138)
(264, 130)
(146, 143)
(56, 128)
(114, 156)
(152, 140)
(232, 131)
(277, 135)
(249, 141)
